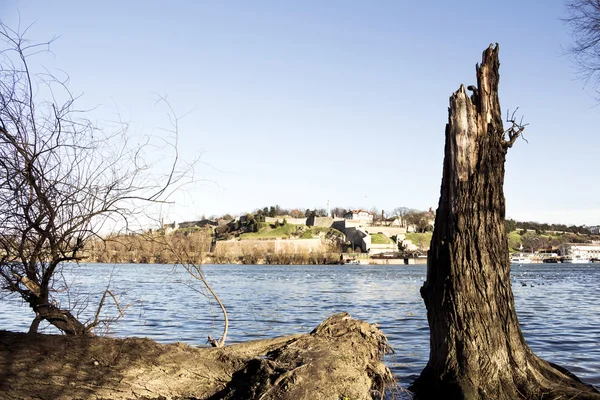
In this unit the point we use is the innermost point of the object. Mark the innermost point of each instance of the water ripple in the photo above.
(558, 306)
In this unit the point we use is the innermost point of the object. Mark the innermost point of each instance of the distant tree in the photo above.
(272, 212)
(295, 213)
(376, 213)
(227, 217)
(421, 220)
(338, 212)
(320, 212)
(402, 211)
(281, 211)
(511, 225)
(535, 243)
(577, 239)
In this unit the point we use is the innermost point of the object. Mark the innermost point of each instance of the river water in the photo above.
(558, 306)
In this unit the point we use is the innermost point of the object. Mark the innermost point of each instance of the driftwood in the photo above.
(340, 359)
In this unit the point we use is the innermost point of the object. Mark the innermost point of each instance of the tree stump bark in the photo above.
(477, 350)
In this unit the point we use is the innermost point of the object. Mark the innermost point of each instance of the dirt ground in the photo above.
(340, 359)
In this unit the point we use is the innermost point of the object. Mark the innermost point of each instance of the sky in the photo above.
(301, 103)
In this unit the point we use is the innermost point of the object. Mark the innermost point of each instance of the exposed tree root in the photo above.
(543, 381)
(341, 358)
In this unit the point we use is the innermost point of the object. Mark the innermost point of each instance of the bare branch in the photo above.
(194, 269)
(516, 129)
(106, 321)
(64, 179)
(584, 21)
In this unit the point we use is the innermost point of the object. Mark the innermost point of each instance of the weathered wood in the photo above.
(340, 359)
(477, 350)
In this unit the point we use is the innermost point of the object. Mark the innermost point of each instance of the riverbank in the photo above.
(340, 359)
(351, 259)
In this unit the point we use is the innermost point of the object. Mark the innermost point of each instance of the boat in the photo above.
(552, 260)
(520, 258)
(575, 259)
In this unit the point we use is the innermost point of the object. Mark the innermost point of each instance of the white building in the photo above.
(359, 215)
(582, 251)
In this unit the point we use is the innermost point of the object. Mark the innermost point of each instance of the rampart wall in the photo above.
(238, 248)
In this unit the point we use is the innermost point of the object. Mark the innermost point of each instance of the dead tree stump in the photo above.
(477, 350)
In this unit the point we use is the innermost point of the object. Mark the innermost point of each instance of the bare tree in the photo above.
(584, 20)
(63, 180)
(477, 350)
(400, 213)
(296, 213)
(535, 243)
(421, 220)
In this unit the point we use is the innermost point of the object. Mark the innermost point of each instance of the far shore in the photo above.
(347, 261)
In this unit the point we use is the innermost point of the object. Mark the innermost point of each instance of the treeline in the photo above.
(264, 254)
(189, 245)
(276, 210)
(335, 212)
(197, 245)
(236, 227)
(530, 241)
(422, 220)
(539, 228)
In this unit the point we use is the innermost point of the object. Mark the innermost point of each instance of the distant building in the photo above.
(594, 230)
(395, 221)
(170, 228)
(580, 250)
(359, 215)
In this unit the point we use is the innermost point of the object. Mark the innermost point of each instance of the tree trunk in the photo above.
(61, 319)
(477, 350)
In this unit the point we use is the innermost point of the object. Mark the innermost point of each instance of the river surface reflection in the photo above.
(558, 306)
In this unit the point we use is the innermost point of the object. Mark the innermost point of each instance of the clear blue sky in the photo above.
(297, 103)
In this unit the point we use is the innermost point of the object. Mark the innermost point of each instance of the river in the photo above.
(558, 306)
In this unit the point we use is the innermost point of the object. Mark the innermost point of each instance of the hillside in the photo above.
(522, 240)
(288, 231)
